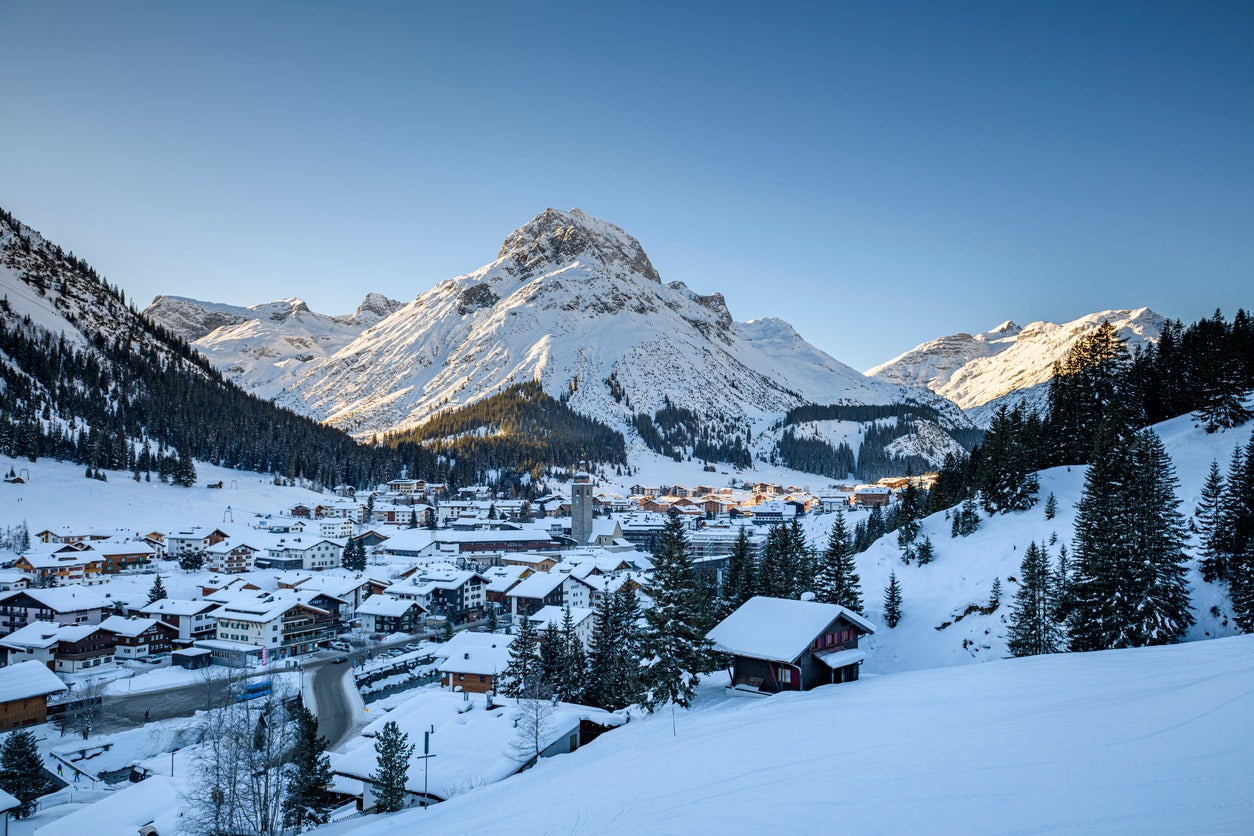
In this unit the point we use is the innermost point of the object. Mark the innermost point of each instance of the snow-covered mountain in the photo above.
(574, 302)
(571, 301)
(264, 347)
(1008, 364)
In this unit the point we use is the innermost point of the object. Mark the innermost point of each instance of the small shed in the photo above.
(779, 644)
(192, 658)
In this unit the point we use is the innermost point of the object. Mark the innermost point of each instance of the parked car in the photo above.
(339, 660)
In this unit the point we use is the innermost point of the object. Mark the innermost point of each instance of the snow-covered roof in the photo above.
(7, 802)
(841, 658)
(483, 660)
(127, 626)
(778, 628)
(386, 605)
(178, 606)
(539, 585)
(63, 598)
(557, 616)
(28, 679)
(156, 801)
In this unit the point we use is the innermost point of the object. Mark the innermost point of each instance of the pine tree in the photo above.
(552, 656)
(740, 579)
(994, 596)
(392, 750)
(446, 631)
(157, 591)
(308, 801)
(191, 561)
(492, 623)
(1221, 396)
(185, 470)
(1033, 629)
(925, 552)
(413, 519)
(676, 649)
(1210, 532)
(573, 676)
(354, 559)
(892, 601)
(837, 581)
(1051, 506)
(524, 663)
(22, 771)
(1129, 588)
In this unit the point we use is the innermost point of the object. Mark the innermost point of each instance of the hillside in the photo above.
(1008, 364)
(1154, 740)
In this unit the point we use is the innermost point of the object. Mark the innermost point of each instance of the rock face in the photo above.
(1009, 364)
(264, 348)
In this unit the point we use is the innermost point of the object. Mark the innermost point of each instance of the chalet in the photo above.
(501, 579)
(389, 614)
(545, 589)
(62, 604)
(455, 594)
(36, 642)
(838, 501)
(774, 512)
(230, 557)
(531, 562)
(122, 557)
(66, 536)
(72, 563)
(24, 691)
(644, 490)
(138, 638)
(472, 661)
(779, 644)
(190, 620)
(192, 540)
(10, 581)
(335, 527)
(81, 648)
(279, 623)
(869, 496)
(370, 538)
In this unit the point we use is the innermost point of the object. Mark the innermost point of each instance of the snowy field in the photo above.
(1154, 740)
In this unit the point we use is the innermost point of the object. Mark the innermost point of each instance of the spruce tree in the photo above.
(1051, 506)
(925, 552)
(573, 676)
(22, 772)
(392, 751)
(1210, 531)
(552, 653)
(308, 801)
(837, 581)
(1033, 628)
(1129, 588)
(524, 662)
(676, 649)
(994, 596)
(157, 591)
(892, 601)
(492, 623)
(740, 579)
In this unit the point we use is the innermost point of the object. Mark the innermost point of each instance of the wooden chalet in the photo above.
(779, 644)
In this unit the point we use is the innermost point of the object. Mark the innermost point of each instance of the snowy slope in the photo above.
(978, 371)
(264, 348)
(963, 571)
(574, 302)
(1155, 740)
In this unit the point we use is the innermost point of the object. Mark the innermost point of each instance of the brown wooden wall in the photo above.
(24, 712)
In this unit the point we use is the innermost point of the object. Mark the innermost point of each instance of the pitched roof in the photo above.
(778, 628)
(28, 679)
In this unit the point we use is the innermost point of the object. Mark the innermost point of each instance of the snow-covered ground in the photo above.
(1154, 740)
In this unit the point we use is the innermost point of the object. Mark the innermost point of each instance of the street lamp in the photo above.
(175, 749)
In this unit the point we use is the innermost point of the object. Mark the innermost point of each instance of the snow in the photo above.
(777, 628)
(1155, 740)
(27, 679)
(974, 371)
(155, 801)
(471, 744)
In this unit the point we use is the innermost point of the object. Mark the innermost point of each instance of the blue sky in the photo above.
(876, 174)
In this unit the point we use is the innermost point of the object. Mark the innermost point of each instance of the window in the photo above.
(461, 677)
(785, 675)
(483, 679)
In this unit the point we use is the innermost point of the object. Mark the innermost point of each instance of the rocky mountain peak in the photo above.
(374, 308)
(555, 238)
